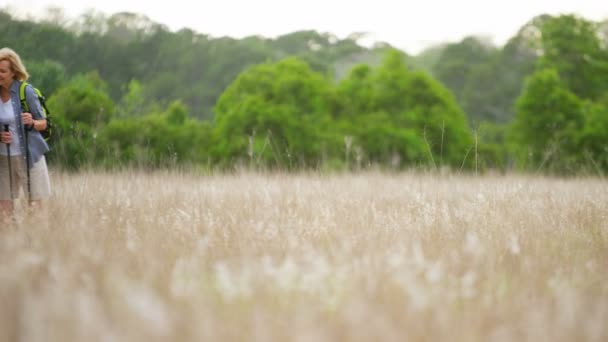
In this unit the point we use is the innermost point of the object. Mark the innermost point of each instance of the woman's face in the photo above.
(6, 74)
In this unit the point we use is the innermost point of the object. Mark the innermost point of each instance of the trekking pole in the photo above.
(27, 167)
(10, 168)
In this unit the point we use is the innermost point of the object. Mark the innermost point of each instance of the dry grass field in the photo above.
(171, 256)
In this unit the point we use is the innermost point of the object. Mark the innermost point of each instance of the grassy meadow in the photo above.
(179, 256)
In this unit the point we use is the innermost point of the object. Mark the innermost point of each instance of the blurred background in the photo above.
(467, 87)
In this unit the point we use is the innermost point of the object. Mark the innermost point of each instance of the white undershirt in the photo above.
(8, 117)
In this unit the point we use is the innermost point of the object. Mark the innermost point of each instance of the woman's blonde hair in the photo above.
(7, 54)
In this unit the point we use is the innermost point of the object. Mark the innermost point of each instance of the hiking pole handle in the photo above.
(10, 167)
(6, 129)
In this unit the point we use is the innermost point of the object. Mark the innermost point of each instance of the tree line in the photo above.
(126, 91)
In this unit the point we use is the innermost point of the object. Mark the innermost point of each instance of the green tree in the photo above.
(493, 86)
(572, 46)
(274, 114)
(548, 121)
(48, 76)
(133, 103)
(80, 109)
(559, 121)
(402, 117)
(356, 92)
(457, 62)
(373, 139)
(593, 139)
(168, 138)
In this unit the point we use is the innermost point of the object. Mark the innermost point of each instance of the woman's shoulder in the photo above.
(28, 90)
(23, 87)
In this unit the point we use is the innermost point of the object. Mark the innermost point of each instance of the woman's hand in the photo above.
(27, 119)
(5, 137)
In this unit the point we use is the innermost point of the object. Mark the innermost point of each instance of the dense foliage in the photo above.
(126, 91)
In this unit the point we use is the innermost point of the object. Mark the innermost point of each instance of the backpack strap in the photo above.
(24, 106)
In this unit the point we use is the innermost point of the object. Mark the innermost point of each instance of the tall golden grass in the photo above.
(176, 256)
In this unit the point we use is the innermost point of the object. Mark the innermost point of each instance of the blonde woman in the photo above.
(16, 126)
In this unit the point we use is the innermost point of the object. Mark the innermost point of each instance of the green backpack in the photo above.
(47, 133)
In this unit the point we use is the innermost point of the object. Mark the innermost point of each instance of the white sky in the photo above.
(409, 25)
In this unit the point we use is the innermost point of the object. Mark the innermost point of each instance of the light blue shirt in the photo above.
(8, 118)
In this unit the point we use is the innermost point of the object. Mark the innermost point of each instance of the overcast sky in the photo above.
(409, 25)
